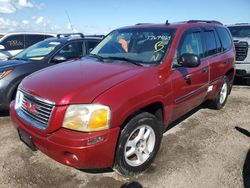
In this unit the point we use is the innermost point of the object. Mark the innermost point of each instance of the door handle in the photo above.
(187, 77)
(226, 61)
(205, 70)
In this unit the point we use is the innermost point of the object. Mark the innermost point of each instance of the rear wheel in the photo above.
(248, 81)
(138, 144)
(221, 99)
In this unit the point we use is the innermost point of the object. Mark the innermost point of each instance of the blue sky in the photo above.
(97, 17)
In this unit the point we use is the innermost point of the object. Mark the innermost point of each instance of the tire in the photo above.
(221, 99)
(138, 144)
(248, 81)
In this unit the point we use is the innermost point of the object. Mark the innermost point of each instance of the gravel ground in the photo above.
(204, 150)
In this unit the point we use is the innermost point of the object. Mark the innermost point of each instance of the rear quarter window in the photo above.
(225, 38)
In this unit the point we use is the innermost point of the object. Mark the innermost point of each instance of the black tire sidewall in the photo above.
(221, 105)
(141, 119)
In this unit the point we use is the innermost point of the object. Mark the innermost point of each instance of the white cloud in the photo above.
(11, 6)
(24, 4)
(40, 24)
(7, 7)
(40, 20)
(25, 22)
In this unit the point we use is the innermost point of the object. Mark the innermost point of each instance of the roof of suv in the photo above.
(184, 24)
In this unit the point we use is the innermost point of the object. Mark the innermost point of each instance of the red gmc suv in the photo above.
(110, 108)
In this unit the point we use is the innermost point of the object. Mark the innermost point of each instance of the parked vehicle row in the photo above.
(13, 43)
(110, 108)
(41, 55)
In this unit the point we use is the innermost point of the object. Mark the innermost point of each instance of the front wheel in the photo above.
(221, 99)
(138, 144)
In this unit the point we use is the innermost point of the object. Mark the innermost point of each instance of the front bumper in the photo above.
(71, 147)
(5, 88)
(242, 69)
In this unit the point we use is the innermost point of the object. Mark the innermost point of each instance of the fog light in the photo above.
(70, 157)
(95, 140)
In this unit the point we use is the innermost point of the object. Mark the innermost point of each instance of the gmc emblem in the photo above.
(30, 107)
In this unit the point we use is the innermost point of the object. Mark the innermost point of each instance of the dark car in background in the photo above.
(13, 43)
(241, 36)
(49, 52)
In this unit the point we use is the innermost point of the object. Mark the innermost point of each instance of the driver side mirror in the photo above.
(58, 59)
(2, 47)
(189, 60)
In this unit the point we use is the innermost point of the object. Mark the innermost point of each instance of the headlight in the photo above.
(4, 73)
(87, 117)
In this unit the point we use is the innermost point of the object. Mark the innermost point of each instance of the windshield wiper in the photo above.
(132, 61)
(100, 58)
(18, 58)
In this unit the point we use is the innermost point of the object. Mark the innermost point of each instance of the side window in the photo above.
(70, 51)
(14, 42)
(32, 39)
(225, 37)
(92, 44)
(191, 44)
(82, 48)
(210, 43)
(218, 43)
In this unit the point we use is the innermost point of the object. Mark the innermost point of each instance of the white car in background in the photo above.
(13, 43)
(241, 36)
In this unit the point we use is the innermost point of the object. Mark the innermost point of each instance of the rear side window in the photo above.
(14, 42)
(225, 38)
(82, 47)
(32, 39)
(191, 44)
(210, 43)
(92, 44)
(70, 51)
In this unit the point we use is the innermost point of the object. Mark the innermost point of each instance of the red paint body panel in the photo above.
(125, 89)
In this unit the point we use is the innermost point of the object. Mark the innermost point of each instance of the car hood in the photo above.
(77, 82)
(8, 64)
(243, 39)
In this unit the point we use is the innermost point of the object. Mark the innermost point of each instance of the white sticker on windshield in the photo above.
(54, 43)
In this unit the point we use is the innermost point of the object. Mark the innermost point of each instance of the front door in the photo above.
(190, 85)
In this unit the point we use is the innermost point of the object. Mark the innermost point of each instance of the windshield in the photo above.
(240, 31)
(38, 51)
(143, 45)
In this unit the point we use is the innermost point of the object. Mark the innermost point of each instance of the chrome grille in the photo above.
(241, 50)
(34, 110)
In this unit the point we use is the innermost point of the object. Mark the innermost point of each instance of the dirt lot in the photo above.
(204, 150)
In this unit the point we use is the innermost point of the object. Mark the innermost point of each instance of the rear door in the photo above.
(189, 84)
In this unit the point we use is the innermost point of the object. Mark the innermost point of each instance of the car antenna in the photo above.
(70, 24)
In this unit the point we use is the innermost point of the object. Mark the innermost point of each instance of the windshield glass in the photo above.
(38, 51)
(144, 45)
(240, 31)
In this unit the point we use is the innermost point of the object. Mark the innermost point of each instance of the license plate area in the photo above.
(27, 139)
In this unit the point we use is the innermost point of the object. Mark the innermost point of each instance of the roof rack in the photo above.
(204, 21)
(69, 34)
(242, 23)
(143, 23)
(102, 36)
